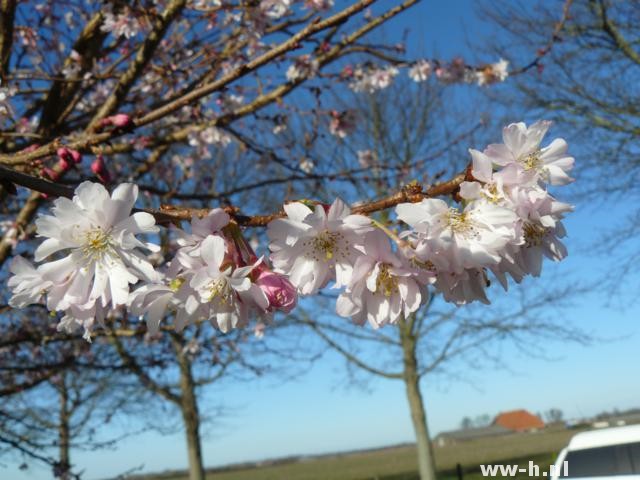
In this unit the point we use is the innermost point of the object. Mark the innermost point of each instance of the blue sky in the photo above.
(318, 413)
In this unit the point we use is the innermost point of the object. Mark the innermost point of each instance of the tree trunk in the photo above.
(190, 416)
(64, 436)
(426, 460)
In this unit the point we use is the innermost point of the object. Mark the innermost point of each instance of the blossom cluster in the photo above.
(371, 78)
(504, 224)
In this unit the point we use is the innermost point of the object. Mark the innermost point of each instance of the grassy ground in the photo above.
(400, 463)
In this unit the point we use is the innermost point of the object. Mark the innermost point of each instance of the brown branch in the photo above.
(89, 140)
(349, 356)
(555, 37)
(141, 59)
(7, 14)
(130, 363)
(411, 193)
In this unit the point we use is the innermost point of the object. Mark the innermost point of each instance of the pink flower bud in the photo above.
(64, 164)
(121, 120)
(99, 168)
(50, 173)
(76, 156)
(97, 165)
(279, 291)
(68, 156)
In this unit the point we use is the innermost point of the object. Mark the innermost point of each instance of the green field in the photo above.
(399, 463)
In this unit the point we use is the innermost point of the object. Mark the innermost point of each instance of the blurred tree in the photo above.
(466, 423)
(402, 133)
(554, 415)
(57, 393)
(588, 84)
(483, 420)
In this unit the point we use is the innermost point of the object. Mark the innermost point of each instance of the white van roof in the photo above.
(605, 437)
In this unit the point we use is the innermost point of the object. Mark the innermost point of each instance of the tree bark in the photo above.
(426, 460)
(190, 415)
(64, 436)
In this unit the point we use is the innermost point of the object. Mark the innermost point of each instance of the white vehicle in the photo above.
(612, 453)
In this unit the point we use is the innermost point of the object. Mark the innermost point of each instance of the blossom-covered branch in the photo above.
(506, 224)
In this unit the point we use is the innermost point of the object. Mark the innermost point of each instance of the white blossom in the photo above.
(373, 79)
(124, 24)
(304, 66)
(315, 246)
(26, 283)
(99, 234)
(307, 165)
(420, 71)
(521, 147)
(227, 292)
(382, 288)
(496, 72)
(275, 8)
(460, 239)
(5, 105)
(366, 158)
(319, 4)
(342, 123)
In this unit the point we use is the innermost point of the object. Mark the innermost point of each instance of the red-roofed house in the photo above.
(519, 421)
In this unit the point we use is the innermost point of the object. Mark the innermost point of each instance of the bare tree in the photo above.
(57, 394)
(401, 131)
(584, 84)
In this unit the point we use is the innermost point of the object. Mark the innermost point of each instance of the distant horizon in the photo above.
(294, 456)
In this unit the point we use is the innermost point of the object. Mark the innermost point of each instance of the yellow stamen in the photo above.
(386, 283)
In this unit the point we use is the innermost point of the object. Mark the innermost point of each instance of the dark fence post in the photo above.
(459, 471)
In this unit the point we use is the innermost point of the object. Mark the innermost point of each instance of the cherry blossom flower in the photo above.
(542, 229)
(420, 71)
(496, 72)
(73, 66)
(26, 283)
(315, 246)
(275, 8)
(99, 234)
(153, 300)
(205, 4)
(382, 288)
(124, 24)
(521, 147)
(201, 139)
(342, 123)
(5, 105)
(305, 66)
(307, 165)
(227, 292)
(366, 158)
(319, 4)
(456, 71)
(191, 243)
(372, 79)
(208, 280)
(471, 238)
(279, 291)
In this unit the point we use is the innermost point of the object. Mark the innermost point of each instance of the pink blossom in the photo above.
(50, 173)
(279, 291)
(100, 169)
(120, 120)
(342, 123)
(68, 155)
